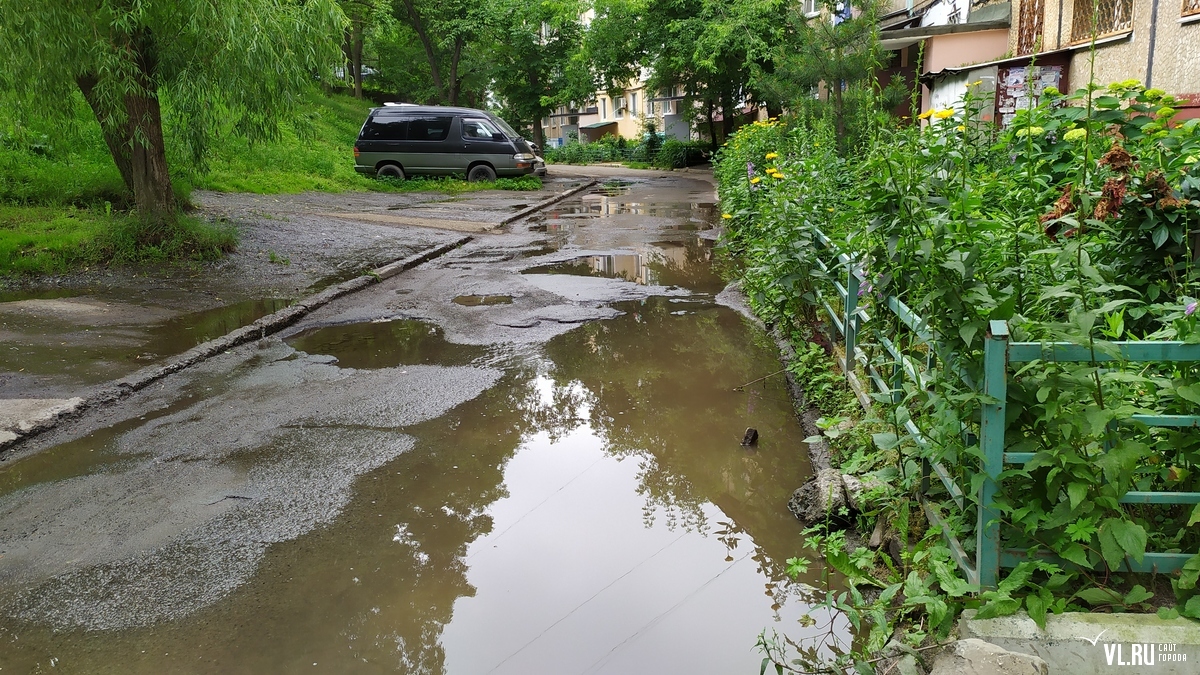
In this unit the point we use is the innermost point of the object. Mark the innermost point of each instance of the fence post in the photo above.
(851, 308)
(991, 444)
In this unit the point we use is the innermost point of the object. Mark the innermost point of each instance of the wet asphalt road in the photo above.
(208, 516)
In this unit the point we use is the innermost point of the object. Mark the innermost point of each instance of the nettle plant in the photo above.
(1076, 223)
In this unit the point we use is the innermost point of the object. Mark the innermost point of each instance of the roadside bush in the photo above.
(1074, 224)
(677, 154)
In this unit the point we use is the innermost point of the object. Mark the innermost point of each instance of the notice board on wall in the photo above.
(1020, 87)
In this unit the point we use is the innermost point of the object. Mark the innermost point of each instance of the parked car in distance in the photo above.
(406, 140)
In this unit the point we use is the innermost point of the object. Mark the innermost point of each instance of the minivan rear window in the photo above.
(422, 128)
(386, 129)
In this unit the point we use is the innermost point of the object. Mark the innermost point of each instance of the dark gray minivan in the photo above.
(404, 140)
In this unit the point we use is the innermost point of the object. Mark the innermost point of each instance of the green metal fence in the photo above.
(901, 365)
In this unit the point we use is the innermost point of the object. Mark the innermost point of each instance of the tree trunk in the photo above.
(539, 135)
(356, 52)
(712, 129)
(117, 137)
(727, 115)
(430, 51)
(455, 83)
(152, 191)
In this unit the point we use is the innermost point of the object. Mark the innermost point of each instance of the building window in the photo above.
(619, 107)
(1102, 18)
(811, 8)
(603, 108)
(1029, 35)
(633, 103)
(1191, 7)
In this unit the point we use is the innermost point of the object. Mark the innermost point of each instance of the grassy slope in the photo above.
(63, 205)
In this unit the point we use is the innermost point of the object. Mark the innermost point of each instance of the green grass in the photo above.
(57, 239)
(63, 205)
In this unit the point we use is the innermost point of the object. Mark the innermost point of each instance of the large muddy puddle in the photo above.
(593, 512)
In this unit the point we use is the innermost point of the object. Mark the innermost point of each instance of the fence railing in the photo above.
(912, 354)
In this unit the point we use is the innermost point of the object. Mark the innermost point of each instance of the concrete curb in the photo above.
(267, 325)
(529, 210)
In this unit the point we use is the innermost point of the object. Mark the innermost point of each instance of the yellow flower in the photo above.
(925, 115)
(778, 175)
(1075, 135)
(727, 216)
(755, 181)
(772, 155)
(772, 169)
(960, 128)
(943, 114)
(830, 210)
(976, 83)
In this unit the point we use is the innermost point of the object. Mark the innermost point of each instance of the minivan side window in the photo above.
(386, 129)
(429, 128)
(474, 127)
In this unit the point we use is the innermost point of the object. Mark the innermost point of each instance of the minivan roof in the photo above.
(425, 110)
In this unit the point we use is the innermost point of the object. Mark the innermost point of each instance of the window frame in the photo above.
(1076, 22)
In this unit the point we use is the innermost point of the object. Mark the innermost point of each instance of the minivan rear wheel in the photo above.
(481, 172)
(390, 171)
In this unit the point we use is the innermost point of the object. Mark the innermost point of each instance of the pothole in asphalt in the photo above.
(482, 300)
(385, 344)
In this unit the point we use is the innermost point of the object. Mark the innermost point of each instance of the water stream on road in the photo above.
(592, 512)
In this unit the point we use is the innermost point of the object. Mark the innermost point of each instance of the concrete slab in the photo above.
(19, 416)
(1077, 642)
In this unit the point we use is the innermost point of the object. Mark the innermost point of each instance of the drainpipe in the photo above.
(1153, 33)
(1058, 37)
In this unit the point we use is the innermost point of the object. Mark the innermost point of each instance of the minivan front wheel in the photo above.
(390, 171)
(481, 172)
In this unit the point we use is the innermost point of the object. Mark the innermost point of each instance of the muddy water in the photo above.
(592, 512)
(87, 338)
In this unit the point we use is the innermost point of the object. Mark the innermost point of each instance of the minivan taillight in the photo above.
(356, 151)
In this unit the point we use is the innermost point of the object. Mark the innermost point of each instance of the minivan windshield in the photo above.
(508, 131)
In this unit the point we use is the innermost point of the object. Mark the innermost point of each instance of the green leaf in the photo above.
(1159, 236)
(1195, 516)
(1099, 596)
(1017, 578)
(1192, 608)
(1119, 538)
(886, 440)
(1075, 553)
(998, 604)
(1131, 537)
(1076, 492)
(1137, 594)
(1168, 613)
(968, 331)
(1189, 392)
(1036, 606)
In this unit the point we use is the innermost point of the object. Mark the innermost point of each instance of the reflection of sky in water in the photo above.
(585, 571)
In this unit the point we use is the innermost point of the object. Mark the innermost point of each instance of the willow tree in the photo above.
(238, 62)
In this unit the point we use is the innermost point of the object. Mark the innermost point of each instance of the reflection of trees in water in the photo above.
(658, 388)
(440, 497)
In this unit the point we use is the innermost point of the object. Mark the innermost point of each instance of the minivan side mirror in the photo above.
(498, 137)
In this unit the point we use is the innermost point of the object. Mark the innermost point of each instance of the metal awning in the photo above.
(596, 125)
